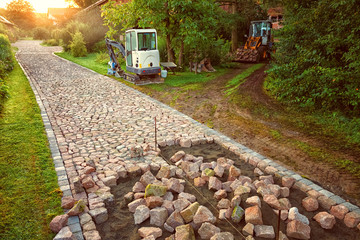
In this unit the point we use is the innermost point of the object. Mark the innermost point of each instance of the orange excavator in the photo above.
(258, 44)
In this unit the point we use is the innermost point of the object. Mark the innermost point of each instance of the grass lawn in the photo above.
(29, 193)
(88, 61)
(181, 79)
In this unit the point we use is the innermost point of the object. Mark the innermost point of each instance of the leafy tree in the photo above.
(317, 63)
(238, 17)
(21, 13)
(190, 24)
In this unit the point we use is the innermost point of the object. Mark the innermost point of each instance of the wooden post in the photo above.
(155, 135)
(278, 226)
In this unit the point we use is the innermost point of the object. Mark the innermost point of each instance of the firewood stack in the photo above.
(246, 55)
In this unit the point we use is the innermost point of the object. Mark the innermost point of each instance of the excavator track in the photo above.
(142, 80)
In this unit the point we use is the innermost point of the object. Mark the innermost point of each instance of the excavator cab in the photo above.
(142, 55)
(261, 29)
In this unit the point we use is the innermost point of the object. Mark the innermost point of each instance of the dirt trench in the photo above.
(238, 117)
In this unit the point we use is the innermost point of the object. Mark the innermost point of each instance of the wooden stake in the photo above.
(278, 226)
(155, 135)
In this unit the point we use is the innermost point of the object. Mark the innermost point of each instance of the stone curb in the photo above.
(63, 181)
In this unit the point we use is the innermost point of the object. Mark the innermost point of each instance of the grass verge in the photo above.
(88, 62)
(29, 193)
(181, 79)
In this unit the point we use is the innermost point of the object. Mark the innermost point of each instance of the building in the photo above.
(6, 22)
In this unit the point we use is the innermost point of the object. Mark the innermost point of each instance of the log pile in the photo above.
(246, 55)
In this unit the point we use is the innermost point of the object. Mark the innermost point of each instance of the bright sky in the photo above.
(40, 6)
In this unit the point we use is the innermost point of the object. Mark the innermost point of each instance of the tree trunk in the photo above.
(170, 51)
(234, 31)
(181, 54)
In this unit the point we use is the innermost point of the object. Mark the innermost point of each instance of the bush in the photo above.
(12, 34)
(6, 65)
(102, 58)
(100, 47)
(6, 57)
(51, 42)
(317, 63)
(66, 34)
(77, 45)
(41, 33)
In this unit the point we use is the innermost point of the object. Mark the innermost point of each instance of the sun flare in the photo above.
(40, 6)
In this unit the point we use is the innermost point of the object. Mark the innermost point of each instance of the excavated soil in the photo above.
(240, 120)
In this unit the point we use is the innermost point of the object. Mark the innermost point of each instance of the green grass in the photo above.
(234, 83)
(322, 156)
(29, 193)
(181, 79)
(88, 62)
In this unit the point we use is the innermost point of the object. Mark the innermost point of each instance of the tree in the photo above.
(82, 3)
(190, 23)
(21, 13)
(240, 14)
(317, 63)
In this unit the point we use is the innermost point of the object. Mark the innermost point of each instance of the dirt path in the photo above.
(242, 118)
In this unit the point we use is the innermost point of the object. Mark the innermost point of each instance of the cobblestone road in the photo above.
(94, 124)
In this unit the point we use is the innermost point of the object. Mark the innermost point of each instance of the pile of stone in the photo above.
(162, 199)
(91, 191)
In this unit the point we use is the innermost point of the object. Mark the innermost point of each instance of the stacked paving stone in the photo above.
(161, 198)
(100, 130)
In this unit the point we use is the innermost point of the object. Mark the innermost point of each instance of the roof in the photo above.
(94, 5)
(5, 21)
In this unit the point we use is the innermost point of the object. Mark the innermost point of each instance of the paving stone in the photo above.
(100, 215)
(185, 232)
(339, 211)
(264, 231)
(310, 204)
(222, 236)
(147, 231)
(298, 230)
(352, 219)
(326, 220)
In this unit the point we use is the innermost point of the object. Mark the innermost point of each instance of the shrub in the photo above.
(102, 58)
(6, 58)
(6, 65)
(77, 45)
(317, 63)
(41, 33)
(66, 33)
(56, 34)
(12, 34)
(99, 47)
(51, 42)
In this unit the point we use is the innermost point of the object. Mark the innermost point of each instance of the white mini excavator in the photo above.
(141, 55)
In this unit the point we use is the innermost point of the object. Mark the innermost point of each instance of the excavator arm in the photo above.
(110, 44)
